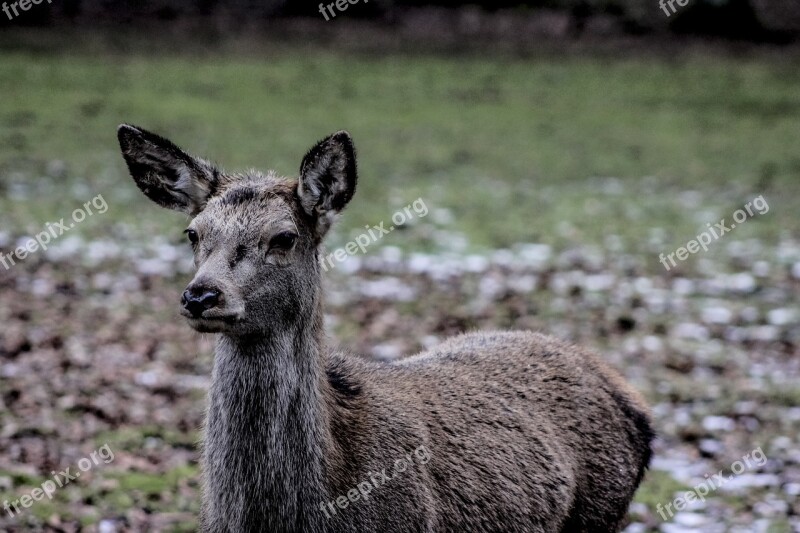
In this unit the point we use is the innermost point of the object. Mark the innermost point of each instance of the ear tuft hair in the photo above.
(328, 177)
(165, 173)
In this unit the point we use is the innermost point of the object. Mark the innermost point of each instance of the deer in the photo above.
(524, 432)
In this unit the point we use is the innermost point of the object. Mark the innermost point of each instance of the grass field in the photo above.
(555, 149)
(631, 154)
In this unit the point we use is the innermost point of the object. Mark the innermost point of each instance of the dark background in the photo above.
(756, 20)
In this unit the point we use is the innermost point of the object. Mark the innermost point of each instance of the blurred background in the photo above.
(559, 146)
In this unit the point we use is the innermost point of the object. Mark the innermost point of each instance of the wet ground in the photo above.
(93, 352)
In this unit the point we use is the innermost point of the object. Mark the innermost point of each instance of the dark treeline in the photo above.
(770, 20)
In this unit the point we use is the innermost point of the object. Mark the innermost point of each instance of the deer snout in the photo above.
(199, 298)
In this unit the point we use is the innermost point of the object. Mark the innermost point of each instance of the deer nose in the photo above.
(199, 299)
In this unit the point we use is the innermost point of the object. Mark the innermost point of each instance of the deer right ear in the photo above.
(165, 173)
(328, 179)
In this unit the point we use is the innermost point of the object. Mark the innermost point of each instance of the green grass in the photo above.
(119, 491)
(131, 438)
(657, 488)
(517, 149)
(154, 484)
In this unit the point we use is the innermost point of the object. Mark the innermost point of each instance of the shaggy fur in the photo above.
(524, 433)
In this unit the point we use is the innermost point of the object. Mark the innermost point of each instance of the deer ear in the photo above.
(328, 178)
(165, 173)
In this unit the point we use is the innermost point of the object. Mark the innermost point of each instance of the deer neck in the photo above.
(268, 430)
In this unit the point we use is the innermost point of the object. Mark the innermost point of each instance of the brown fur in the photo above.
(524, 433)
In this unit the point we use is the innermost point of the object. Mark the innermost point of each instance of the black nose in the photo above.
(199, 299)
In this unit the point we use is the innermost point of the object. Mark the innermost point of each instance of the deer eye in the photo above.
(192, 234)
(282, 241)
(241, 253)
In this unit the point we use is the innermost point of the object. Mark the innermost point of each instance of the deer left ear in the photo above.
(165, 173)
(328, 179)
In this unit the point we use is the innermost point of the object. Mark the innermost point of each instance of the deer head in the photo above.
(255, 236)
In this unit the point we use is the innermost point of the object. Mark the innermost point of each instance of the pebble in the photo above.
(796, 270)
(688, 330)
(476, 264)
(387, 352)
(503, 257)
(742, 283)
(711, 446)
(99, 251)
(523, 284)
(599, 282)
(692, 520)
(490, 287)
(391, 254)
(107, 526)
(750, 314)
(718, 423)
(716, 315)
(651, 343)
(153, 267)
(671, 527)
(420, 263)
(764, 333)
(771, 506)
(761, 269)
(792, 489)
(782, 317)
(635, 527)
(442, 216)
(536, 256)
(388, 289)
(683, 286)
(741, 482)
(65, 248)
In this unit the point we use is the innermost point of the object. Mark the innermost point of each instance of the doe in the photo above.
(525, 433)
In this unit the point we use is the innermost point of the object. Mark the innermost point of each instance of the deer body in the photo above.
(523, 433)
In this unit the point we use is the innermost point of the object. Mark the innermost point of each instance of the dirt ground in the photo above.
(93, 352)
